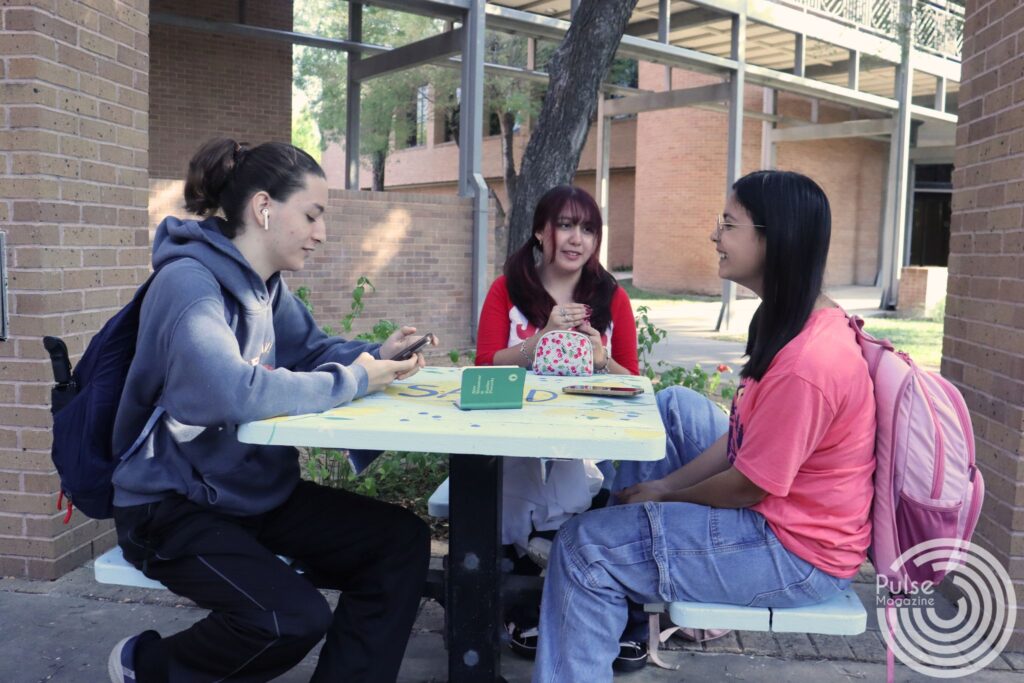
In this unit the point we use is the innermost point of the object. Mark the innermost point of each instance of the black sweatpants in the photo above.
(264, 617)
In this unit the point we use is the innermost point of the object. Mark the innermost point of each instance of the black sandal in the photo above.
(522, 641)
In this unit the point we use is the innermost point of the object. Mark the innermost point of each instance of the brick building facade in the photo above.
(433, 167)
(74, 146)
(680, 184)
(668, 179)
(983, 346)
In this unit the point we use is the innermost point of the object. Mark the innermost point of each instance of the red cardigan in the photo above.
(499, 315)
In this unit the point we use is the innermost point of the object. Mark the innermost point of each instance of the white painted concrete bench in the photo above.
(437, 504)
(843, 615)
(112, 568)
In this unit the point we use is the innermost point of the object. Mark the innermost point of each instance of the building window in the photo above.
(929, 232)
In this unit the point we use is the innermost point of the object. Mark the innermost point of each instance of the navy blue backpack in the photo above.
(84, 404)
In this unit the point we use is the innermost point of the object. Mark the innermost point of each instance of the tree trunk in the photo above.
(508, 154)
(378, 159)
(577, 69)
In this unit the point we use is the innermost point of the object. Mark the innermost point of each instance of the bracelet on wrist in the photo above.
(607, 360)
(524, 354)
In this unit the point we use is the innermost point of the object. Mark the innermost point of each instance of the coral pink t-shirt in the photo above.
(805, 433)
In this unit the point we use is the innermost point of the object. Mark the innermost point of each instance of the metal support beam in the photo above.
(908, 218)
(894, 226)
(471, 180)
(664, 18)
(940, 93)
(829, 131)
(603, 170)
(290, 37)
(800, 55)
(446, 9)
(767, 128)
(734, 164)
(853, 71)
(409, 56)
(353, 101)
(672, 99)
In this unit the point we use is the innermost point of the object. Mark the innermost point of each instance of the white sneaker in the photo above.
(539, 550)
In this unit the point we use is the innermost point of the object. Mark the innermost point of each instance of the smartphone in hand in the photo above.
(408, 351)
(602, 390)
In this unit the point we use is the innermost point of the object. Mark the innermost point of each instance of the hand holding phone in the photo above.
(409, 350)
(603, 390)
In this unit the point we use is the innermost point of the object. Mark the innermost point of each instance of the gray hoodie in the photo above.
(218, 347)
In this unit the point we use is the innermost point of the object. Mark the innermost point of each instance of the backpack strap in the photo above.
(870, 347)
(158, 411)
(144, 434)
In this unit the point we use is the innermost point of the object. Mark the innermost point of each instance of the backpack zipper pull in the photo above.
(60, 505)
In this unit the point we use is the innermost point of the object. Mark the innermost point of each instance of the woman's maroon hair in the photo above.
(596, 285)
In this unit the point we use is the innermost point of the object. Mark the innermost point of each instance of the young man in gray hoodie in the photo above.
(221, 342)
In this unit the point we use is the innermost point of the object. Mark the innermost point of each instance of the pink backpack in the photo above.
(926, 483)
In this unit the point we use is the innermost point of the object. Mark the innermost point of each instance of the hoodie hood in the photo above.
(204, 242)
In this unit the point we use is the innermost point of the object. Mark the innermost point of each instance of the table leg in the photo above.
(474, 569)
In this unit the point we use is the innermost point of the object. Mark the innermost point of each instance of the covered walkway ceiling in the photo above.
(783, 38)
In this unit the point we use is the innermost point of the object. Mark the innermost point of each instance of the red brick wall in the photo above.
(620, 211)
(417, 251)
(414, 247)
(204, 84)
(680, 187)
(74, 97)
(983, 346)
(434, 168)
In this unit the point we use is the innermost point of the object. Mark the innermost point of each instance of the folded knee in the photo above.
(305, 619)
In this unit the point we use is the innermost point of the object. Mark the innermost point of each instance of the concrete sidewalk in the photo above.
(63, 630)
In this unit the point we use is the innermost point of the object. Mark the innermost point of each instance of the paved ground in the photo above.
(63, 630)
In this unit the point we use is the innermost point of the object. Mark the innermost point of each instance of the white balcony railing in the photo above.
(938, 24)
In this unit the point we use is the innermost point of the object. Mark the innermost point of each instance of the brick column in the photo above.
(983, 348)
(74, 138)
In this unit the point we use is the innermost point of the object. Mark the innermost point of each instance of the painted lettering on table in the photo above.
(433, 391)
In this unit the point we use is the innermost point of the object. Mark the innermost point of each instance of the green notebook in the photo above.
(489, 387)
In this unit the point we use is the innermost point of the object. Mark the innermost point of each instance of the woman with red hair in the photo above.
(553, 282)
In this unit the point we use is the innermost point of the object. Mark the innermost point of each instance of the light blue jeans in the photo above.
(660, 552)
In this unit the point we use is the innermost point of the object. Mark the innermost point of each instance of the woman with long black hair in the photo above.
(768, 510)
